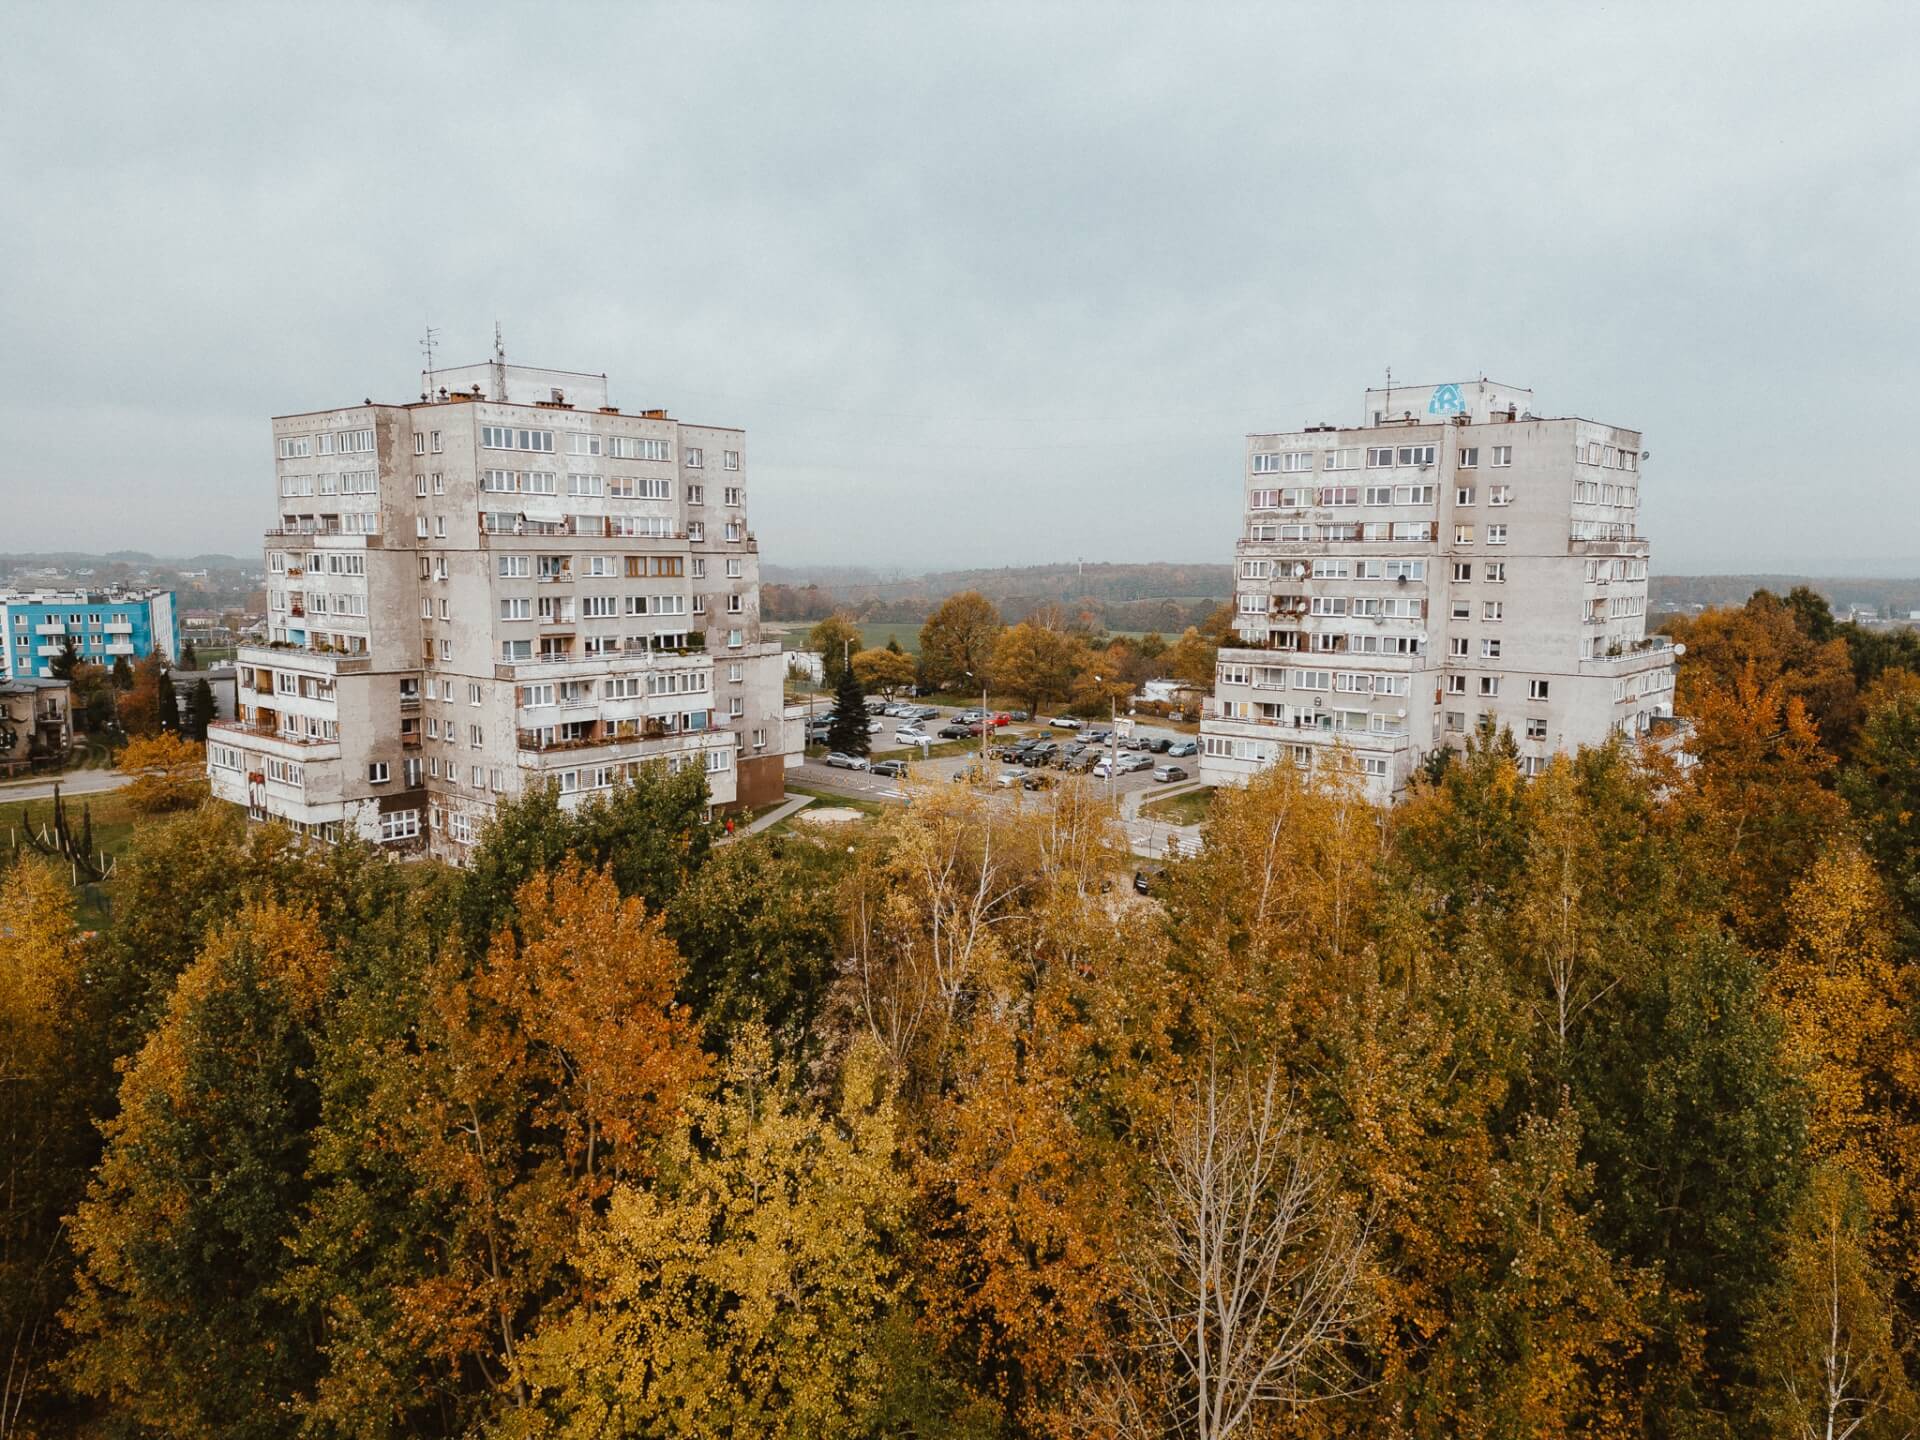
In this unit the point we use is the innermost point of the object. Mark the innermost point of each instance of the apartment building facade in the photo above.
(1453, 560)
(104, 625)
(507, 584)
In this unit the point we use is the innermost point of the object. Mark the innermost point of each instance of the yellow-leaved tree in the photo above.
(45, 1134)
(742, 1292)
(169, 772)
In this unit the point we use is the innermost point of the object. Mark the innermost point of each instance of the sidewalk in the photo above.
(792, 805)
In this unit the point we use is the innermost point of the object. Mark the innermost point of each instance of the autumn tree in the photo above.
(957, 641)
(1190, 659)
(742, 1293)
(882, 671)
(145, 708)
(1036, 663)
(179, 1318)
(1882, 784)
(169, 772)
(50, 1078)
(530, 1084)
(834, 639)
(1757, 801)
(1791, 642)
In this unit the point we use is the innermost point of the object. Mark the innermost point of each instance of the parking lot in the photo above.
(814, 773)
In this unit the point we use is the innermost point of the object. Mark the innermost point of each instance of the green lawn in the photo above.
(831, 798)
(113, 827)
(1191, 808)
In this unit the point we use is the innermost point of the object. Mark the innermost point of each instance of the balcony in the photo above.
(257, 732)
(409, 703)
(118, 627)
(317, 655)
(53, 627)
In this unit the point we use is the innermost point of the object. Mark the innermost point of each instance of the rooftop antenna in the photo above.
(427, 343)
(499, 365)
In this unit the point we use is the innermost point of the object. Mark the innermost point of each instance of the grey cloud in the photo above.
(984, 284)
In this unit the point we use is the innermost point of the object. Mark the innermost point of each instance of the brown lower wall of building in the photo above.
(759, 781)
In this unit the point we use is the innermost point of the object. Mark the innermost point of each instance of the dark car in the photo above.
(1145, 877)
(1018, 717)
(1159, 745)
(1009, 754)
(925, 712)
(1037, 780)
(953, 732)
(1183, 747)
(892, 769)
(1042, 753)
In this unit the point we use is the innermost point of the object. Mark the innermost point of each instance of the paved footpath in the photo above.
(74, 782)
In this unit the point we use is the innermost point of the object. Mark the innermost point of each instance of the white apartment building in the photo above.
(508, 583)
(1452, 559)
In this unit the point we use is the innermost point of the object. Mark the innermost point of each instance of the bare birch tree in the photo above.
(1249, 1280)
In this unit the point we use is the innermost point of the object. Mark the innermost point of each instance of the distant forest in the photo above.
(1168, 598)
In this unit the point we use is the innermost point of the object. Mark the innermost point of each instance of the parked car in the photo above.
(899, 711)
(876, 725)
(1042, 752)
(890, 769)
(1159, 745)
(1097, 737)
(1145, 876)
(1007, 779)
(1166, 773)
(841, 761)
(1130, 763)
(1038, 780)
(1103, 767)
(967, 717)
(1083, 762)
(876, 704)
(910, 735)
(970, 775)
(1019, 717)
(1183, 747)
(1010, 754)
(953, 732)
(1064, 722)
(1001, 717)
(922, 712)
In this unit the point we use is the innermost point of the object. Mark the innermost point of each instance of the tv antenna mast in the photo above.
(427, 344)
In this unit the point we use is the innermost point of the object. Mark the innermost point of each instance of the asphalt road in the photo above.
(74, 782)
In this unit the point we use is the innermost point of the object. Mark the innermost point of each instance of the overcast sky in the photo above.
(984, 285)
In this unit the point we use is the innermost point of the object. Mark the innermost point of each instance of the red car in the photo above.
(1002, 718)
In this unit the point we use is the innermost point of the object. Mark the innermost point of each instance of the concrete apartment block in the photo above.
(104, 626)
(508, 583)
(1452, 559)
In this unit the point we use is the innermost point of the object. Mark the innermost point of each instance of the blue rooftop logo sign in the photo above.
(1446, 401)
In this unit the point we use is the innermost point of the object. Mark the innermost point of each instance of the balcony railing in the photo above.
(269, 732)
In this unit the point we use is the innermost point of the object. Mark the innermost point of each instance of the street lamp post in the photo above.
(1113, 741)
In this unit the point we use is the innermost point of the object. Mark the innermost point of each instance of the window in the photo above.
(735, 495)
(1266, 464)
(1469, 458)
(419, 527)
(475, 737)
(1463, 496)
(579, 442)
(1496, 534)
(1489, 685)
(1489, 649)
(516, 607)
(696, 494)
(1457, 646)
(1463, 570)
(295, 447)
(1462, 610)
(419, 442)
(1493, 610)
(1536, 727)
(1377, 495)
(694, 457)
(1496, 572)
(1499, 494)
(473, 694)
(503, 437)
(734, 605)
(399, 825)
(439, 527)
(696, 531)
(435, 446)
(512, 650)
(1456, 684)
(1380, 457)
(1455, 720)
(590, 485)
(733, 569)
(1463, 534)
(1537, 689)
(1503, 455)
(460, 829)
(1414, 455)
(629, 447)
(1373, 764)
(730, 459)
(735, 639)
(377, 773)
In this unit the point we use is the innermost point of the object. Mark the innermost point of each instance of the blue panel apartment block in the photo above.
(104, 625)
